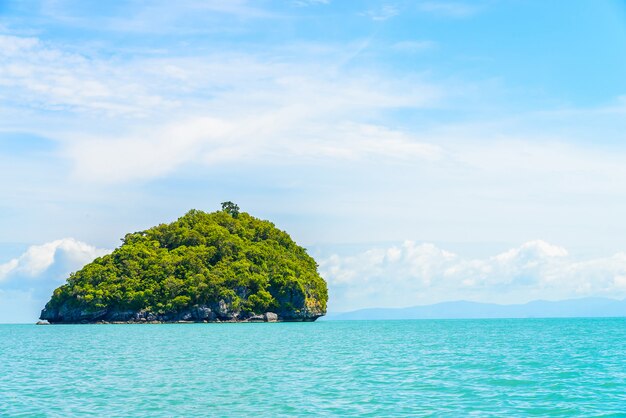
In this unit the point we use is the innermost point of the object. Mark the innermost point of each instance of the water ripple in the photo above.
(538, 367)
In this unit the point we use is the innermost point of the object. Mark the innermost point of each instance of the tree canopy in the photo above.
(201, 259)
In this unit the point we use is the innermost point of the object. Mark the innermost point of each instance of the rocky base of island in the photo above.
(197, 314)
(151, 319)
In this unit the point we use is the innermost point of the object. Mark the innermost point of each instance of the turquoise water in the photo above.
(514, 367)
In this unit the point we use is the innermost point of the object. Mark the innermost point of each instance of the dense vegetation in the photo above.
(231, 262)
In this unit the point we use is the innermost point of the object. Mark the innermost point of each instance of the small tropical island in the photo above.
(225, 266)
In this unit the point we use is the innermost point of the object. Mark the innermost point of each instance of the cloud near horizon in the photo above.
(414, 274)
(407, 274)
(59, 257)
(27, 281)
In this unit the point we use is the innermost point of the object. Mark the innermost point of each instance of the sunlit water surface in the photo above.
(335, 368)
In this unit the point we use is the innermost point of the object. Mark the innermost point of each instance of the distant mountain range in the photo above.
(585, 307)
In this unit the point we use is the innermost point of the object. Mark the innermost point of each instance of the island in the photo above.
(225, 266)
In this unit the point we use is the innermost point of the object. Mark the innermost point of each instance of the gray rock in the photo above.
(121, 316)
(225, 313)
(222, 309)
(204, 313)
(270, 317)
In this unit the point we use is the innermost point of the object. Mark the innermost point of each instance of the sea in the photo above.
(455, 368)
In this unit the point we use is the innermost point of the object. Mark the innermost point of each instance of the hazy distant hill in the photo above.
(586, 307)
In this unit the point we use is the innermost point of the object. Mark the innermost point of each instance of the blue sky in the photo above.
(421, 150)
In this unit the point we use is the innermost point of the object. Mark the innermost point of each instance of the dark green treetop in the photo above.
(230, 208)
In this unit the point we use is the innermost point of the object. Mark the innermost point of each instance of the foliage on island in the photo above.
(229, 261)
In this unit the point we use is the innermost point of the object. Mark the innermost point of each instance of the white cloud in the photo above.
(148, 154)
(156, 152)
(209, 108)
(385, 12)
(27, 281)
(412, 274)
(13, 45)
(45, 76)
(159, 151)
(327, 128)
(157, 16)
(66, 255)
(446, 8)
(8, 267)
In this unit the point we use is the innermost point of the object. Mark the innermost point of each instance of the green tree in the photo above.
(230, 208)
